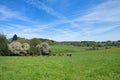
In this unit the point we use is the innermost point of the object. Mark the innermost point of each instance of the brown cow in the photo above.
(27, 54)
(34, 55)
(60, 54)
(49, 54)
(54, 54)
(69, 54)
(21, 54)
(39, 55)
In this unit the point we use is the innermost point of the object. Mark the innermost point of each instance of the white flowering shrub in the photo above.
(17, 47)
(38, 47)
(45, 48)
(25, 47)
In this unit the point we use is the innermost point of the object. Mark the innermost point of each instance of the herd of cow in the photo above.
(60, 54)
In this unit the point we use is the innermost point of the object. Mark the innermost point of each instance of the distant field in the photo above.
(65, 48)
(82, 65)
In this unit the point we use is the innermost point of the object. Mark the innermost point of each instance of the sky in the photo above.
(61, 20)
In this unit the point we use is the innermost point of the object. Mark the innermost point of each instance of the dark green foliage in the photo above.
(3, 45)
(44, 40)
(94, 46)
(14, 37)
(34, 42)
(91, 43)
(32, 50)
(39, 50)
(50, 42)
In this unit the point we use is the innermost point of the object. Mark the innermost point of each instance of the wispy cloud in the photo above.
(104, 14)
(97, 21)
(108, 11)
(95, 31)
(6, 13)
(39, 4)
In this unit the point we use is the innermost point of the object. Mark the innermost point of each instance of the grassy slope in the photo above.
(84, 65)
(64, 49)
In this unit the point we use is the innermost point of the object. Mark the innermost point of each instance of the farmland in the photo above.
(82, 65)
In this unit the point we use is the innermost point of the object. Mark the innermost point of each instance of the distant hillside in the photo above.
(42, 39)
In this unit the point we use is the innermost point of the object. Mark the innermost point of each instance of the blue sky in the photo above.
(61, 20)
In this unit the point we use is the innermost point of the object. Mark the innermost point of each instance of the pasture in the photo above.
(82, 65)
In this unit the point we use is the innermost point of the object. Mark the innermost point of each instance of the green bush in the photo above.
(32, 50)
(3, 45)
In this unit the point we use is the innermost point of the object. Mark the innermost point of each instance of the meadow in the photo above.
(82, 65)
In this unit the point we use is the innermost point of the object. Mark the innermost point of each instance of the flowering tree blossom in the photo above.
(45, 48)
(25, 47)
(17, 47)
(38, 47)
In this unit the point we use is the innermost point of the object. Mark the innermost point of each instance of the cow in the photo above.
(69, 54)
(54, 54)
(21, 54)
(60, 54)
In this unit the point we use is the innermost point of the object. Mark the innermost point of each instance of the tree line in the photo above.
(39, 46)
(18, 46)
(93, 44)
(90, 43)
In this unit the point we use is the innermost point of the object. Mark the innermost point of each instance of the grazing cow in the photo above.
(54, 54)
(21, 54)
(27, 54)
(49, 54)
(34, 55)
(38, 54)
(61, 54)
(69, 54)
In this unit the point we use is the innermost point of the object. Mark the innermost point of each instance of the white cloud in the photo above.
(39, 4)
(6, 13)
(95, 31)
(85, 25)
(108, 11)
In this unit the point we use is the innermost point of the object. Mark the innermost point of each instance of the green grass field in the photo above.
(82, 65)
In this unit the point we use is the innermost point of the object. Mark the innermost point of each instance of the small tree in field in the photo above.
(45, 48)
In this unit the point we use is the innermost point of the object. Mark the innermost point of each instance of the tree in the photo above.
(23, 40)
(17, 47)
(3, 45)
(35, 41)
(39, 48)
(32, 50)
(25, 47)
(45, 48)
(14, 37)
(49, 42)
